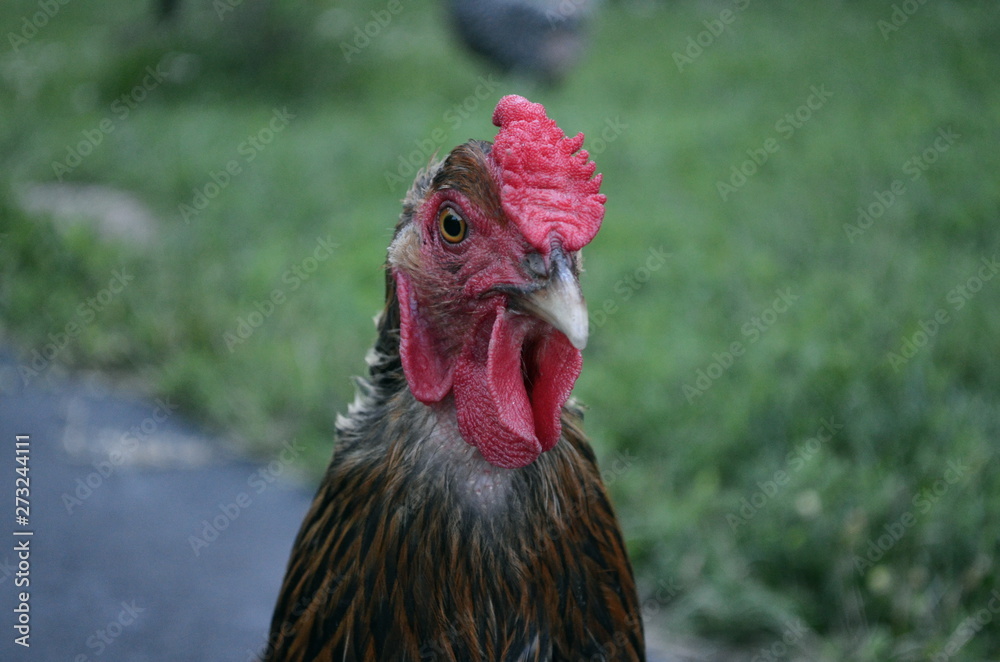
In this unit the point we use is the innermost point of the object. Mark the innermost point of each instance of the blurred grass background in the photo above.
(878, 541)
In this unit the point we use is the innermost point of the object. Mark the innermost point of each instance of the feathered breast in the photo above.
(415, 550)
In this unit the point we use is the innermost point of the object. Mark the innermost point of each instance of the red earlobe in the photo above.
(430, 379)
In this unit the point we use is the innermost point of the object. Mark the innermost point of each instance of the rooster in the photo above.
(463, 515)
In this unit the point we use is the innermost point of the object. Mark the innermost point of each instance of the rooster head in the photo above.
(485, 264)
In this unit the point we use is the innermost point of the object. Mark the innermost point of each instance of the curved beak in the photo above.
(557, 299)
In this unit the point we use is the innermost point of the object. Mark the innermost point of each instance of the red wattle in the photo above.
(559, 364)
(491, 400)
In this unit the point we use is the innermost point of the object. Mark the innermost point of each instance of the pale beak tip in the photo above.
(577, 334)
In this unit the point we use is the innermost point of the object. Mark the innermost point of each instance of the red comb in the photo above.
(548, 187)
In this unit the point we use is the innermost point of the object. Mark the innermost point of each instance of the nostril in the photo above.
(534, 264)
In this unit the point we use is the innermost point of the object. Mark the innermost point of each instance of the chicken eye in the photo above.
(452, 226)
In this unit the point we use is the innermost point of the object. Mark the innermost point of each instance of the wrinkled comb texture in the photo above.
(548, 186)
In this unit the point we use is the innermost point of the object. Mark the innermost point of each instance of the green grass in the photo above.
(680, 458)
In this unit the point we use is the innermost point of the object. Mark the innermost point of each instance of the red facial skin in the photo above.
(510, 373)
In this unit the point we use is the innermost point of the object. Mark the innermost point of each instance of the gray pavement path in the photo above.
(150, 542)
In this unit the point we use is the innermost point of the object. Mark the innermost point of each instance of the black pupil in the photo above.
(452, 226)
